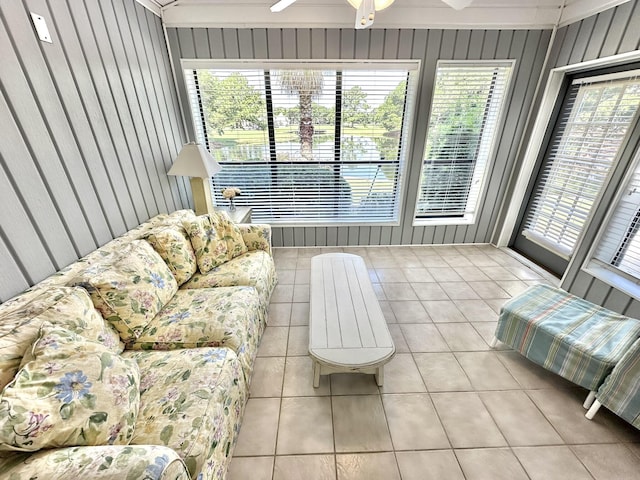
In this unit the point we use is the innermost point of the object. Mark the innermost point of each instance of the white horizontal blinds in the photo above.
(229, 109)
(465, 110)
(371, 127)
(620, 245)
(329, 150)
(304, 113)
(585, 143)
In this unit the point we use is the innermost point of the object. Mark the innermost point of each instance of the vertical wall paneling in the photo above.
(201, 43)
(617, 28)
(332, 41)
(568, 41)
(245, 44)
(599, 34)
(86, 64)
(633, 309)
(113, 103)
(424, 43)
(523, 89)
(216, 43)
(390, 44)
(527, 48)
(630, 40)
(13, 276)
(29, 113)
(136, 95)
(169, 100)
(89, 125)
(289, 43)
(617, 301)
(231, 47)
(149, 95)
(260, 42)
(582, 40)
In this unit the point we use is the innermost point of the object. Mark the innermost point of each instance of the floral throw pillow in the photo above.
(215, 239)
(130, 288)
(231, 234)
(69, 307)
(69, 391)
(174, 246)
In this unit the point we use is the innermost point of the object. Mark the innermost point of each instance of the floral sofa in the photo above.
(135, 361)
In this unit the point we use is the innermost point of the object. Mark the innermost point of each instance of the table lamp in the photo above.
(196, 162)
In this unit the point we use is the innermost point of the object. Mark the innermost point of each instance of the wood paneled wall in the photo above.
(527, 47)
(89, 125)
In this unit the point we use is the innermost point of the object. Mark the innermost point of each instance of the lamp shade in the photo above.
(194, 161)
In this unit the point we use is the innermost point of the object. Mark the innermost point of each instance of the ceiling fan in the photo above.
(366, 9)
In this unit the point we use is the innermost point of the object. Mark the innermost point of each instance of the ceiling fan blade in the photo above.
(458, 4)
(365, 15)
(281, 5)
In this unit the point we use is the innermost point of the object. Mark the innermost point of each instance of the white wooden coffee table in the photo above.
(347, 329)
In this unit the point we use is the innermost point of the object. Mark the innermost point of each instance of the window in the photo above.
(465, 110)
(588, 135)
(619, 247)
(307, 143)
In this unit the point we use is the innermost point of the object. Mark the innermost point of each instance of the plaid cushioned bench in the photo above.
(620, 391)
(567, 335)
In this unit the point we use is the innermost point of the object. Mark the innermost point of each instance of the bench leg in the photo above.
(494, 342)
(593, 410)
(380, 376)
(589, 400)
(316, 374)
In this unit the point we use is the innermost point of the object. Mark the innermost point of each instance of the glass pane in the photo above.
(235, 114)
(586, 142)
(306, 146)
(466, 104)
(304, 114)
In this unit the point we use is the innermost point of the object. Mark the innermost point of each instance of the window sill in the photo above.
(434, 222)
(613, 279)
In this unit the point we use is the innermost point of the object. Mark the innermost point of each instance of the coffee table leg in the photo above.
(380, 376)
(316, 374)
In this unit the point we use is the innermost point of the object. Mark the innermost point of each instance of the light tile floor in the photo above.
(451, 408)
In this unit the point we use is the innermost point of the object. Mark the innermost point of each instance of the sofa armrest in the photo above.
(112, 462)
(257, 236)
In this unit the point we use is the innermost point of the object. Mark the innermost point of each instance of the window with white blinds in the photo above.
(307, 143)
(585, 143)
(466, 105)
(619, 246)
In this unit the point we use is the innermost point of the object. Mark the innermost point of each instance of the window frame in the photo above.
(414, 69)
(467, 218)
(534, 143)
(576, 79)
(609, 274)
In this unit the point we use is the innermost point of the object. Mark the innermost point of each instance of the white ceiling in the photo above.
(402, 14)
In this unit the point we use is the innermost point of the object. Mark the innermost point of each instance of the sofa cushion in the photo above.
(191, 401)
(69, 391)
(103, 462)
(130, 288)
(174, 246)
(252, 269)
(215, 239)
(208, 317)
(70, 307)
